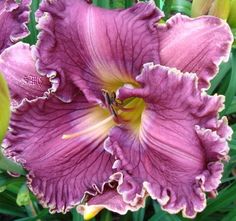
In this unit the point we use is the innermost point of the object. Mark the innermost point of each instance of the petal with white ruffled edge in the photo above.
(95, 48)
(176, 153)
(61, 170)
(199, 45)
(110, 199)
(13, 19)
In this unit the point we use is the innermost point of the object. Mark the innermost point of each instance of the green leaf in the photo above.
(232, 107)
(158, 3)
(9, 209)
(42, 214)
(231, 89)
(32, 38)
(167, 8)
(226, 197)
(228, 179)
(6, 164)
(2, 188)
(95, 2)
(106, 215)
(231, 216)
(161, 215)
(4, 107)
(224, 70)
(181, 6)
(129, 3)
(104, 3)
(221, 89)
(118, 3)
(23, 197)
(5, 180)
(121, 3)
(126, 217)
(8, 205)
(139, 215)
(157, 217)
(232, 15)
(76, 216)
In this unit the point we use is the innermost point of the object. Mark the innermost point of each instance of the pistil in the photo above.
(115, 106)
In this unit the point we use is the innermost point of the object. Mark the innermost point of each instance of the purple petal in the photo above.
(61, 171)
(176, 153)
(95, 48)
(18, 67)
(195, 45)
(110, 200)
(13, 19)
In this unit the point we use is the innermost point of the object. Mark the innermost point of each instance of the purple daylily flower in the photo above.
(13, 19)
(117, 127)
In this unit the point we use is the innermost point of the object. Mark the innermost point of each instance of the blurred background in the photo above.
(18, 204)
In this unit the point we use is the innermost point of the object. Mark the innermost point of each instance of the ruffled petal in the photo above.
(95, 48)
(13, 19)
(61, 170)
(177, 152)
(110, 200)
(18, 67)
(195, 45)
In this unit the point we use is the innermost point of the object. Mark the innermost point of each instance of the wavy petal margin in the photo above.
(61, 170)
(110, 200)
(195, 45)
(18, 67)
(177, 152)
(13, 19)
(95, 48)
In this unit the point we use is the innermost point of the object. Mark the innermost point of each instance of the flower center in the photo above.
(127, 112)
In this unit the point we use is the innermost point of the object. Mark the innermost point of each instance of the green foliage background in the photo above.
(18, 204)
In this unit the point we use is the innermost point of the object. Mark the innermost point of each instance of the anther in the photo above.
(114, 105)
(110, 102)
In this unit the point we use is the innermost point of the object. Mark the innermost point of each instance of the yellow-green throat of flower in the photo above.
(115, 112)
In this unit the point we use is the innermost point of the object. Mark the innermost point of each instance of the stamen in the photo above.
(111, 102)
(87, 130)
(116, 106)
